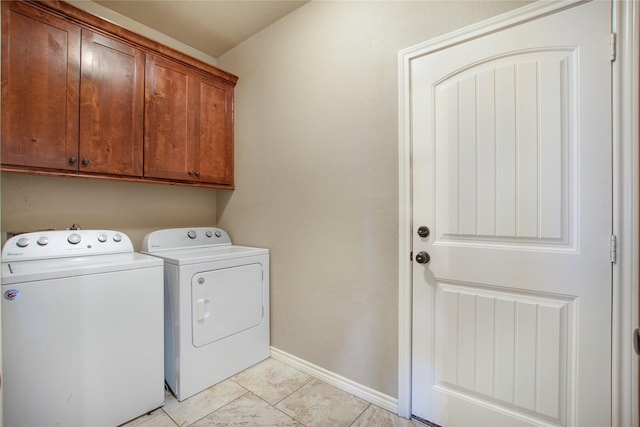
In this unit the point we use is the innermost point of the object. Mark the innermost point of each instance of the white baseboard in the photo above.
(363, 392)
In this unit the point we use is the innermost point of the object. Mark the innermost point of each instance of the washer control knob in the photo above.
(209, 233)
(201, 280)
(218, 233)
(191, 234)
(74, 238)
(23, 242)
(102, 238)
(43, 241)
(117, 238)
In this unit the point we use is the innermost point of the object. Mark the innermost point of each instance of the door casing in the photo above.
(626, 188)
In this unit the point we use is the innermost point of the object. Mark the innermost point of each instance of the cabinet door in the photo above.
(169, 146)
(40, 83)
(215, 132)
(111, 106)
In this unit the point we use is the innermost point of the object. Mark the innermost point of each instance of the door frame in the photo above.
(625, 202)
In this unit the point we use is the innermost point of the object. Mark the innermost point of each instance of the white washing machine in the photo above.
(216, 306)
(82, 329)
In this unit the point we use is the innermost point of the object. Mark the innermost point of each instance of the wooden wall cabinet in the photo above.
(75, 101)
(40, 88)
(189, 127)
(111, 106)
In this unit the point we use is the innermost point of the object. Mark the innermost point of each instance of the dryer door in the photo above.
(225, 302)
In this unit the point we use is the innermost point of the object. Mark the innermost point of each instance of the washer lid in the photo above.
(55, 268)
(207, 254)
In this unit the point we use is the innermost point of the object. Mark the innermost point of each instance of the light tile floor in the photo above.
(271, 394)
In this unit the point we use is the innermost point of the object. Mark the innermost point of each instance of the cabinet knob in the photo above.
(73, 159)
(198, 173)
(85, 161)
(191, 173)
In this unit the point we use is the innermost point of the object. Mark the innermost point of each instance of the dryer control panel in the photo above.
(183, 238)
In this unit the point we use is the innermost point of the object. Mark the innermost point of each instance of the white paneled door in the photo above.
(511, 161)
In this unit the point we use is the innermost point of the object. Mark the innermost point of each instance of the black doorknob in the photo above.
(423, 231)
(422, 257)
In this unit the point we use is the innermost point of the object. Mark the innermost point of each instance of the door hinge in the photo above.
(636, 341)
(613, 248)
(411, 256)
(612, 46)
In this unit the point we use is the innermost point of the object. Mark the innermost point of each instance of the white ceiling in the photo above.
(211, 26)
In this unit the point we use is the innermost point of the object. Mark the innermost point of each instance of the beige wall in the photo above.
(44, 202)
(317, 172)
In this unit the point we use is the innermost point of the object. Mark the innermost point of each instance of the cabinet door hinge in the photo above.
(612, 46)
(613, 248)
(411, 256)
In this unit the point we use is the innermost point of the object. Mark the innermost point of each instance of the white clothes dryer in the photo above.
(216, 306)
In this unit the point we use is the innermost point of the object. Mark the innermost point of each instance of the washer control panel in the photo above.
(183, 238)
(67, 243)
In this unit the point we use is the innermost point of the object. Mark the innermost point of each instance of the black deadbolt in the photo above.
(423, 231)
